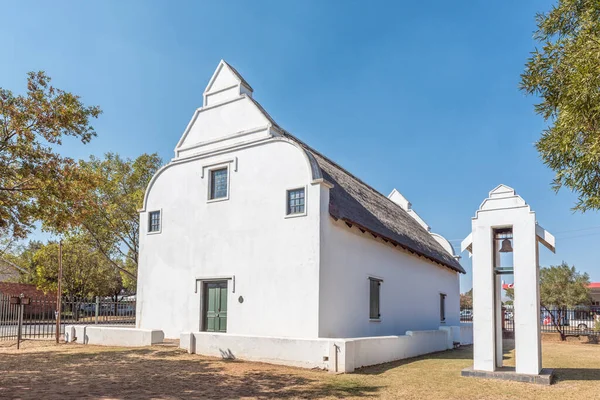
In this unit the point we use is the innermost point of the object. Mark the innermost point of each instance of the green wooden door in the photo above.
(215, 306)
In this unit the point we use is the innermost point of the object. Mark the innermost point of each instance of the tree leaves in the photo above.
(33, 175)
(466, 299)
(93, 203)
(561, 286)
(104, 205)
(86, 272)
(565, 75)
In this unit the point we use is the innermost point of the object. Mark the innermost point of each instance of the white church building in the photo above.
(254, 245)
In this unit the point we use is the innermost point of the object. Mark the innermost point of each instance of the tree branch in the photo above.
(101, 250)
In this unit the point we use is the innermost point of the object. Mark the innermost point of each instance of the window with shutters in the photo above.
(374, 297)
(442, 307)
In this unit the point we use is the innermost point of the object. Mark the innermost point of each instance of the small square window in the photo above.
(218, 184)
(154, 221)
(295, 201)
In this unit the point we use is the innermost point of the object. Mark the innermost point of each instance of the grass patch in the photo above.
(347, 387)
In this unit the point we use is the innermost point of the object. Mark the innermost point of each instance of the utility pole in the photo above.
(58, 292)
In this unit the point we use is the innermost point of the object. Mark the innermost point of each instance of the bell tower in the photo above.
(504, 240)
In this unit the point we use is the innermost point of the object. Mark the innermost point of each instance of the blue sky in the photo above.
(421, 96)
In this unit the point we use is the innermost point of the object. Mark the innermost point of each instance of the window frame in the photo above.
(443, 307)
(211, 170)
(149, 221)
(379, 281)
(287, 202)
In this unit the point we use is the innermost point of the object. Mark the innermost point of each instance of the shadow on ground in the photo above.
(158, 373)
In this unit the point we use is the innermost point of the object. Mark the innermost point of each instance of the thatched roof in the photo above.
(355, 202)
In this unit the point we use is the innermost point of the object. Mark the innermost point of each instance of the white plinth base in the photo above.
(508, 374)
(113, 335)
(332, 354)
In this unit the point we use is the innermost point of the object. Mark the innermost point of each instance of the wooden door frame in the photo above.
(202, 282)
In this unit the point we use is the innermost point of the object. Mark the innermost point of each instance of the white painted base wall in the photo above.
(298, 352)
(362, 352)
(112, 335)
(336, 355)
(466, 333)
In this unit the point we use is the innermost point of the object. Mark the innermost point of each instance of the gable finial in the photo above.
(225, 84)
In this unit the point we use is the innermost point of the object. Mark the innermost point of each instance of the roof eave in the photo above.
(396, 243)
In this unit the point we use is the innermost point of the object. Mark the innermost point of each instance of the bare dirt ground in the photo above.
(44, 370)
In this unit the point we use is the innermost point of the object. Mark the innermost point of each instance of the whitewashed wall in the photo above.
(273, 259)
(297, 352)
(220, 121)
(301, 277)
(270, 260)
(333, 354)
(378, 350)
(112, 335)
(466, 333)
(409, 292)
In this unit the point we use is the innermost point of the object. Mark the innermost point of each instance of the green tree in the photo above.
(510, 293)
(106, 209)
(33, 176)
(561, 287)
(23, 256)
(466, 299)
(112, 218)
(86, 272)
(565, 74)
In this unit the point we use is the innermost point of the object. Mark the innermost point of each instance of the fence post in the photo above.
(20, 327)
(97, 309)
(59, 292)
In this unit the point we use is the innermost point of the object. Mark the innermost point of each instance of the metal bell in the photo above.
(506, 246)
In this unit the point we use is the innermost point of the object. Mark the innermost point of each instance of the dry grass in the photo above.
(43, 370)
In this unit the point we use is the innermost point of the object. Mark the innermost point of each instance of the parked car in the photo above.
(88, 307)
(117, 308)
(584, 320)
(581, 325)
(466, 314)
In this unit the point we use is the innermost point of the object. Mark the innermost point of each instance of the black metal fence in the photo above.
(572, 322)
(38, 318)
